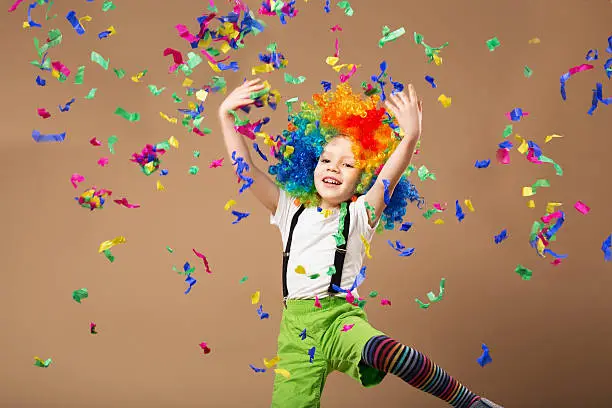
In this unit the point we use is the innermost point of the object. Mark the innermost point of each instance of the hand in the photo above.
(241, 96)
(408, 110)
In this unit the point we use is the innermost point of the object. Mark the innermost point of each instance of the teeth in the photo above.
(331, 181)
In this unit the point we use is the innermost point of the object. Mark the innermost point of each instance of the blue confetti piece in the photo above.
(104, 34)
(548, 251)
(482, 164)
(239, 216)
(327, 7)
(31, 22)
(190, 281)
(405, 226)
(39, 137)
(241, 167)
(606, 245)
(311, 354)
(74, 22)
(485, 358)
(608, 68)
(598, 97)
(164, 172)
(590, 57)
(326, 86)
(459, 211)
(256, 147)
(502, 236)
(431, 80)
(505, 145)
(40, 81)
(407, 252)
(67, 106)
(257, 370)
(261, 313)
(516, 114)
(303, 334)
(387, 196)
(232, 66)
(563, 80)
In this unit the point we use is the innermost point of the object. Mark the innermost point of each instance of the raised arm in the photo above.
(263, 187)
(408, 111)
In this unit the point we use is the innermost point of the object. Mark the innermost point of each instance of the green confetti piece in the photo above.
(193, 60)
(108, 5)
(92, 93)
(212, 8)
(62, 77)
(524, 272)
(189, 92)
(389, 35)
(433, 298)
(272, 47)
(47, 18)
(558, 169)
(80, 294)
(237, 120)
(373, 294)
(290, 102)
(183, 272)
(169, 249)
(259, 94)
(331, 271)
(155, 91)
(314, 276)
(194, 170)
(109, 255)
(539, 183)
(429, 50)
(80, 75)
(132, 117)
(424, 174)
(165, 145)
(527, 71)
(429, 213)
(292, 80)
(176, 98)
(244, 279)
(44, 364)
(372, 211)
(98, 59)
(507, 131)
(111, 143)
(493, 43)
(55, 38)
(362, 303)
(196, 154)
(346, 6)
(119, 72)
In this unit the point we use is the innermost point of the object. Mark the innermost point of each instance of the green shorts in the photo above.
(335, 350)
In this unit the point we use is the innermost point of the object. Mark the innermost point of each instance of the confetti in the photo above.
(40, 363)
(205, 348)
(431, 81)
(388, 35)
(300, 270)
(366, 245)
(93, 198)
(282, 372)
(432, 297)
(485, 358)
(80, 294)
(523, 272)
(493, 43)
(244, 279)
(132, 117)
(347, 327)
(572, 71)
(262, 315)
(76, 178)
(527, 71)
(124, 202)
(606, 246)
(40, 138)
(190, 281)
(203, 258)
(432, 53)
(551, 137)
(257, 370)
(239, 216)
(311, 354)
(255, 297)
(534, 40)
(445, 100)
(112, 140)
(469, 205)
(502, 236)
(111, 243)
(92, 328)
(385, 302)
(108, 5)
(292, 80)
(75, 22)
(482, 164)
(346, 6)
(216, 163)
(459, 211)
(98, 59)
(582, 207)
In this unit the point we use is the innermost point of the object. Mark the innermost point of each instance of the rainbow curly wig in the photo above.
(340, 113)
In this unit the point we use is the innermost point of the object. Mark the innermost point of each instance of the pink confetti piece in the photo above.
(336, 28)
(42, 112)
(184, 33)
(582, 207)
(204, 347)
(532, 157)
(385, 302)
(555, 262)
(347, 327)
(176, 55)
(103, 161)
(15, 5)
(438, 206)
(337, 47)
(503, 156)
(95, 142)
(580, 68)
(58, 66)
(350, 298)
(216, 163)
(547, 218)
(198, 131)
(92, 328)
(317, 303)
(203, 258)
(344, 78)
(76, 178)
(124, 202)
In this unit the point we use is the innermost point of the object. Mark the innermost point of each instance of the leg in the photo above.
(390, 356)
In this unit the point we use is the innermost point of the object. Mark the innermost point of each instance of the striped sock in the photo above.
(390, 356)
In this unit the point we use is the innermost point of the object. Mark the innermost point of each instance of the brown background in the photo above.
(549, 337)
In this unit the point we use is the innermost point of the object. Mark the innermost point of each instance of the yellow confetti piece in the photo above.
(262, 69)
(541, 247)
(214, 66)
(437, 59)
(439, 221)
(150, 167)
(524, 146)
(527, 192)
(366, 244)
(468, 204)
(300, 269)
(271, 363)
(326, 213)
(187, 82)
(26, 24)
(551, 137)
(288, 151)
(531, 204)
(534, 40)
(229, 204)
(160, 187)
(201, 95)
(111, 243)
(444, 100)
(55, 74)
(255, 297)
(85, 18)
(191, 106)
(111, 31)
(332, 60)
(551, 207)
(168, 118)
(173, 142)
(282, 372)
(225, 47)
(138, 76)
(337, 68)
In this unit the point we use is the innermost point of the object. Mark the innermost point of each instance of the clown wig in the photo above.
(340, 113)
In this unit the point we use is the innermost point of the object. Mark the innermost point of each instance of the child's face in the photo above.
(336, 175)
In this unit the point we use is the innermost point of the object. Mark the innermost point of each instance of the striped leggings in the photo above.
(390, 356)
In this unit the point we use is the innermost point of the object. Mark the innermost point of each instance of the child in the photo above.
(340, 172)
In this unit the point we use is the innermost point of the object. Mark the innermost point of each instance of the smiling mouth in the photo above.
(331, 181)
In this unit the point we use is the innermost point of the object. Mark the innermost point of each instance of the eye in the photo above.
(349, 165)
(324, 160)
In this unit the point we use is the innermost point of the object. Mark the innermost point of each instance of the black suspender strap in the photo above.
(336, 278)
(294, 221)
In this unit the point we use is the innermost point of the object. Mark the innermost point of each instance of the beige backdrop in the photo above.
(549, 337)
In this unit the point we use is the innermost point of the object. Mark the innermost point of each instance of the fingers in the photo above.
(412, 93)
(391, 107)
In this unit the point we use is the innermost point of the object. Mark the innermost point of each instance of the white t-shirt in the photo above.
(313, 246)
